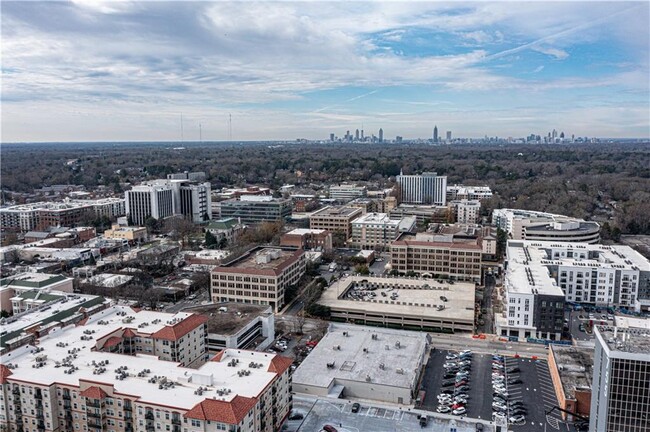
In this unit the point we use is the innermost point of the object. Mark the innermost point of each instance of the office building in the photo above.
(424, 214)
(466, 211)
(197, 176)
(195, 201)
(366, 362)
(571, 369)
(115, 370)
(154, 200)
(260, 276)
(131, 234)
(302, 238)
(347, 192)
(427, 188)
(251, 209)
(461, 192)
(435, 134)
(228, 229)
(381, 135)
(620, 399)
(11, 287)
(437, 255)
(448, 135)
(376, 205)
(534, 225)
(335, 219)
(378, 230)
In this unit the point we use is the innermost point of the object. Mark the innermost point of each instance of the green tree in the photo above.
(152, 224)
(502, 240)
(210, 240)
(362, 269)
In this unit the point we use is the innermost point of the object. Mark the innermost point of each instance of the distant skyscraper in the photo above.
(361, 134)
(381, 135)
(448, 135)
(435, 134)
(356, 135)
(331, 137)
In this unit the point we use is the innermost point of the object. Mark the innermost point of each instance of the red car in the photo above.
(328, 428)
(455, 406)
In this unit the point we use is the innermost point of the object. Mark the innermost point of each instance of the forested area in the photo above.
(593, 181)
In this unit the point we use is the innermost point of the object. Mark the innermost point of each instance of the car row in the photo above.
(453, 396)
(505, 409)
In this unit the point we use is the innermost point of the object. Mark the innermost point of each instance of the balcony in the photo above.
(94, 403)
(176, 429)
(66, 396)
(176, 420)
(94, 414)
(128, 416)
(38, 395)
(16, 390)
(128, 407)
(149, 415)
(95, 424)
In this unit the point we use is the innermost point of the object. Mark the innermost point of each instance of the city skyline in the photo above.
(121, 71)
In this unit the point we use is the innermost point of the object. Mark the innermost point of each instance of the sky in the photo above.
(96, 70)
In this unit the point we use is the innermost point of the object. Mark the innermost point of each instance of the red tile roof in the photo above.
(219, 356)
(232, 412)
(82, 322)
(112, 341)
(128, 333)
(5, 372)
(279, 364)
(180, 329)
(94, 392)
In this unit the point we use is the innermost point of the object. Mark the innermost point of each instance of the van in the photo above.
(223, 309)
(423, 420)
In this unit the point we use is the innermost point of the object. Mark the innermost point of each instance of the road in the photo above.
(487, 346)
(488, 327)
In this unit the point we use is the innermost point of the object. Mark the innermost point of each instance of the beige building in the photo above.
(335, 219)
(466, 211)
(378, 230)
(132, 234)
(438, 255)
(260, 276)
(66, 384)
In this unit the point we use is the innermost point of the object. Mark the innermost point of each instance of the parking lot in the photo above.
(535, 390)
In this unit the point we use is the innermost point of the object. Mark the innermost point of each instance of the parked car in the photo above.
(512, 381)
(459, 411)
(355, 407)
(329, 428)
(296, 416)
(517, 419)
(423, 420)
(443, 409)
(513, 369)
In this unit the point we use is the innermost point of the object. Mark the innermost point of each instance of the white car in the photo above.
(517, 419)
(459, 411)
(443, 409)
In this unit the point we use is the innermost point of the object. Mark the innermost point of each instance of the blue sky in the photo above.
(121, 70)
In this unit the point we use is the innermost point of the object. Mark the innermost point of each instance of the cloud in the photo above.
(557, 53)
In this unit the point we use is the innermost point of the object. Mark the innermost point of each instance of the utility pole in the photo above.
(200, 133)
(229, 127)
(182, 139)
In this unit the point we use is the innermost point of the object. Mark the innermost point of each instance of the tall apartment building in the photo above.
(460, 192)
(534, 303)
(195, 201)
(347, 192)
(251, 209)
(427, 188)
(260, 276)
(620, 399)
(534, 225)
(466, 211)
(440, 256)
(378, 230)
(335, 219)
(588, 273)
(92, 377)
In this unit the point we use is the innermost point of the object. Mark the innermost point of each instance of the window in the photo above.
(196, 423)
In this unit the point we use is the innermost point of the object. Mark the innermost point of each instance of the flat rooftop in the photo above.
(626, 340)
(627, 322)
(360, 356)
(413, 297)
(575, 366)
(237, 316)
(304, 231)
(32, 280)
(376, 218)
(213, 375)
(337, 211)
(526, 274)
(268, 258)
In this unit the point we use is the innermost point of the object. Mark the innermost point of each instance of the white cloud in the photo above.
(558, 54)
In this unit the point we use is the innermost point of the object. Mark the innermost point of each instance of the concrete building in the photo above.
(154, 200)
(461, 192)
(366, 363)
(101, 383)
(378, 230)
(437, 255)
(427, 188)
(307, 239)
(533, 302)
(571, 370)
(238, 326)
(260, 276)
(620, 400)
(195, 200)
(424, 213)
(335, 219)
(198, 176)
(466, 211)
(346, 192)
(13, 286)
(374, 205)
(533, 225)
(589, 273)
(422, 304)
(251, 209)
(228, 228)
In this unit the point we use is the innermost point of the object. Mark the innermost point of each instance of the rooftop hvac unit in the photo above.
(368, 379)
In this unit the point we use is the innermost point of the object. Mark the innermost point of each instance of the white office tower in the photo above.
(149, 200)
(427, 188)
(620, 400)
(195, 201)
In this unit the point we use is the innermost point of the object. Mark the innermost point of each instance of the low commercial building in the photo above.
(424, 213)
(250, 209)
(378, 230)
(347, 192)
(620, 400)
(131, 234)
(13, 286)
(571, 370)
(534, 225)
(307, 239)
(93, 377)
(374, 205)
(437, 255)
(462, 192)
(238, 326)
(335, 219)
(364, 362)
(228, 229)
(407, 303)
(260, 276)
(533, 302)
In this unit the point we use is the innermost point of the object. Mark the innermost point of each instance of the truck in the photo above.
(333, 267)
